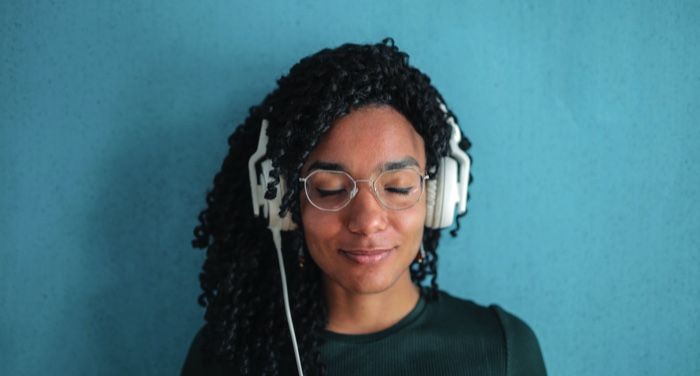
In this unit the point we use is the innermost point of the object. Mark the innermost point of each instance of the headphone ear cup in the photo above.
(449, 193)
(446, 197)
(283, 223)
(273, 206)
(430, 198)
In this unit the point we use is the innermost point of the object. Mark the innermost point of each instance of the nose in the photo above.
(365, 215)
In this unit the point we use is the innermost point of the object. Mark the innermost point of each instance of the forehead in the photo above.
(367, 139)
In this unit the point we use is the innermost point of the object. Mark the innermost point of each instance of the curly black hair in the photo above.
(245, 324)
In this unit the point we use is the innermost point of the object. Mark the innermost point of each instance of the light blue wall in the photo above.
(585, 214)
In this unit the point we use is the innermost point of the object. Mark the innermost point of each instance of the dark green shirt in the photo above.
(448, 336)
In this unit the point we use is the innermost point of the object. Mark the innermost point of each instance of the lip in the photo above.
(366, 255)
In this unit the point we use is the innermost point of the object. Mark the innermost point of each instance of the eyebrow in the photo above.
(403, 163)
(318, 165)
(392, 165)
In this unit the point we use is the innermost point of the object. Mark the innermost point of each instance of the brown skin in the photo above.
(366, 297)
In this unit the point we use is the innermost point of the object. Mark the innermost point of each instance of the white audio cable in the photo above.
(277, 239)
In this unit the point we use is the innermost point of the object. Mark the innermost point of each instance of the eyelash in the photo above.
(326, 193)
(401, 191)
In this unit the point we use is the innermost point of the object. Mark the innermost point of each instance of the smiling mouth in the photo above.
(366, 256)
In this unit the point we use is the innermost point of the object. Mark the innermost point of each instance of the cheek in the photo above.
(320, 229)
(411, 223)
(409, 226)
(412, 218)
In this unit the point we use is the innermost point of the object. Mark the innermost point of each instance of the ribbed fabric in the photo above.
(448, 336)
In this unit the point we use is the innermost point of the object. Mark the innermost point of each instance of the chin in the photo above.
(369, 281)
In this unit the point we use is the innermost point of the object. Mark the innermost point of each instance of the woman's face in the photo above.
(364, 247)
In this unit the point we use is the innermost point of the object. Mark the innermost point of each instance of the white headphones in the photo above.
(259, 179)
(448, 190)
(445, 193)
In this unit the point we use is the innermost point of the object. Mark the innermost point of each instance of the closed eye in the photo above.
(326, 192)
(399, 190)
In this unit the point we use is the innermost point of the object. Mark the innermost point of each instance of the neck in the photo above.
(351, 312)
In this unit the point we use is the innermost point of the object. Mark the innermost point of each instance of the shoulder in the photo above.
(464, 316)
(522, 348)
(198, 364)
(496, 325)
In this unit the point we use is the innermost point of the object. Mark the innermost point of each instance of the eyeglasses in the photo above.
(394, 189)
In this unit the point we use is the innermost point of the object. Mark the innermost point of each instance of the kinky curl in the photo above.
(245, 327)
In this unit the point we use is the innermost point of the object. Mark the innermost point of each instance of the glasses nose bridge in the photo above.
(369, 182)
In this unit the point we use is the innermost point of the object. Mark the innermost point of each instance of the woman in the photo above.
(357, 159)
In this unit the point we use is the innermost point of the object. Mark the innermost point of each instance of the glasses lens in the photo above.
(399, 189)
(329, 190)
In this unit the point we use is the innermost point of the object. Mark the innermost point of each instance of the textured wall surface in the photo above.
(585, 208)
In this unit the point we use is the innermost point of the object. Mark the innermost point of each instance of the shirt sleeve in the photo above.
(523, 353)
